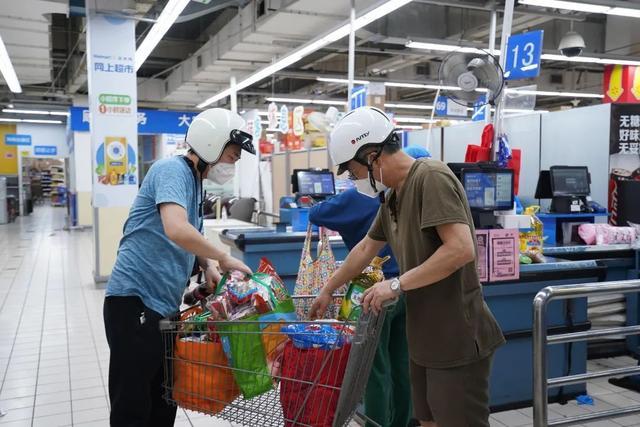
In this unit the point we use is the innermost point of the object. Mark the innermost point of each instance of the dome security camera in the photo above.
(572, 44)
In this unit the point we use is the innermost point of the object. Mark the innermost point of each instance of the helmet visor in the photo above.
(243, 139)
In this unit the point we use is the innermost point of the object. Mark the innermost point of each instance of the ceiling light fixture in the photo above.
(413, 119)
(409, 127)
(342, 31)
(568, 5)
(38, 112)
(545, 56)
(553, 93)
(409, 106)
(30, 121)
(306, 101)
(167, 17)
(345, 81)
(7, 70)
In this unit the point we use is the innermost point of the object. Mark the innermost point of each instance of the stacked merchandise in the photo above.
(58, 185)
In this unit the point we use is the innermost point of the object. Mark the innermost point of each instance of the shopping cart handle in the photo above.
(390, 302)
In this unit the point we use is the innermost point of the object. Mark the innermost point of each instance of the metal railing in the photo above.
(541, 384)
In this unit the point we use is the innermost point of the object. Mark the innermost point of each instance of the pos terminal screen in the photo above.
(488, 190)
(315, 183)
(570, 181)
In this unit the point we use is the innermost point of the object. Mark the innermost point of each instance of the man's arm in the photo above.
(456, 251)
(182, 233)
(359, 257)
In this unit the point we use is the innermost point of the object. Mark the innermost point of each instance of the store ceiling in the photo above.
(220, 38)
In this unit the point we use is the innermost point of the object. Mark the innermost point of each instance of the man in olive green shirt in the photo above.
(426, 220)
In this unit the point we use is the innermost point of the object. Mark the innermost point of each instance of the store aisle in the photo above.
(53, 351)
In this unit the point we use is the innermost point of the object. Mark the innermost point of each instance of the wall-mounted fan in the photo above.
(467, 76)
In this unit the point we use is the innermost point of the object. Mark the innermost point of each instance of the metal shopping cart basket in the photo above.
(289, 387)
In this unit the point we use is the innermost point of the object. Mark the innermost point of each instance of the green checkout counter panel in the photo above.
(510, 302)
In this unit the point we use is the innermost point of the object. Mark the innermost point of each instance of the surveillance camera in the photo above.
(572, 44)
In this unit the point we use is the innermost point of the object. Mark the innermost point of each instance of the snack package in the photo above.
(323, 336)
(277, 284)
(531, 239)
(351, 309)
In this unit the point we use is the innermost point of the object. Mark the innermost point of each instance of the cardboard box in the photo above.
(504, 255)
(482, 249)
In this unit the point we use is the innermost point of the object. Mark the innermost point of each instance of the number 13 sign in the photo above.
(523, 55)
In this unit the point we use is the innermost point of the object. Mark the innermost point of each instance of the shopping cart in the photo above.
(314, 387)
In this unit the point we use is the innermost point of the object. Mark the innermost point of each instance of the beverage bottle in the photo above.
(199, 293)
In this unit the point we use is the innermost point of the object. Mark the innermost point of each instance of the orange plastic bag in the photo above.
(202, 379)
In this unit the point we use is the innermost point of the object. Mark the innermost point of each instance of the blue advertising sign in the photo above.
(523, 55)
(17, 139)
(441, 105)
(45, 150)
(149, 121)
(358, 96)
(480, 109)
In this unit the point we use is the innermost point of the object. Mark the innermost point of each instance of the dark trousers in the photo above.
(135, 365)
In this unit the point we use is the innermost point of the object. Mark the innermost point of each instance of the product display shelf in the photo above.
(58, 188)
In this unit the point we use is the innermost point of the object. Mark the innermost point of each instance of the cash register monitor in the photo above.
(488, 189)
(313, 182)
(569, 181)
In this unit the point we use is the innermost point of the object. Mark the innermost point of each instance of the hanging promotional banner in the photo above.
(113, 112)
(149, 121)
(621, 84)
(624, 162)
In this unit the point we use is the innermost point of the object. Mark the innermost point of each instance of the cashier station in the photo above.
(490, 191)
(568, 262)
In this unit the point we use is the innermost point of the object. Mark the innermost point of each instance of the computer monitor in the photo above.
(457, 168)
(313, 182)
(488, 189)
(569, 181)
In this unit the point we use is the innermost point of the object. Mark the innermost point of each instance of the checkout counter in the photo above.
(511, 300)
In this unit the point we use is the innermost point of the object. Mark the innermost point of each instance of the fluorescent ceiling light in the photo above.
(40, 112)
(568, 5)
(409, 127)
(295, 56)
(345, 81)
(6, 68)
(409, 106)
(544, 56)
(554, 93)
(30, 121)
(624, 11)
(167, 17)
(413, 119)
(306, 101)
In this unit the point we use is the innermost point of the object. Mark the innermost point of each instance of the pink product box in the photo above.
(504, 255)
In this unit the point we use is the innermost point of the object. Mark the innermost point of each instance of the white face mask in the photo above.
(221, 173)
(364, 187)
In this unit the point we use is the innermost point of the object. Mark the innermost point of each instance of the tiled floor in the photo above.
(54, 355)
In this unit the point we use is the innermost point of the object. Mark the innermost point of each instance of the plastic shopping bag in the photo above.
(202, 379)
(310, 386)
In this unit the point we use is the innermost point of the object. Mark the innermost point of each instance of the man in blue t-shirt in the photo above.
(161, 242)
(387, 397)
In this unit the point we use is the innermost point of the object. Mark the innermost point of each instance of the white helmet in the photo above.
(213, 129)
(358, 129)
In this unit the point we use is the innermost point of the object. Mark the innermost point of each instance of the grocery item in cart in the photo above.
(202, 380)
(310, 385)
(351, 307)
(251, 349)
(324, 335)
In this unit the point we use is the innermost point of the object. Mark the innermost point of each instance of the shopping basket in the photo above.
(318, 387)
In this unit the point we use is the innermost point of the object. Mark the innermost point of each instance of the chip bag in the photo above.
(351, 307)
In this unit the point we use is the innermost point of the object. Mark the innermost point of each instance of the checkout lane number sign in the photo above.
(523, 55)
